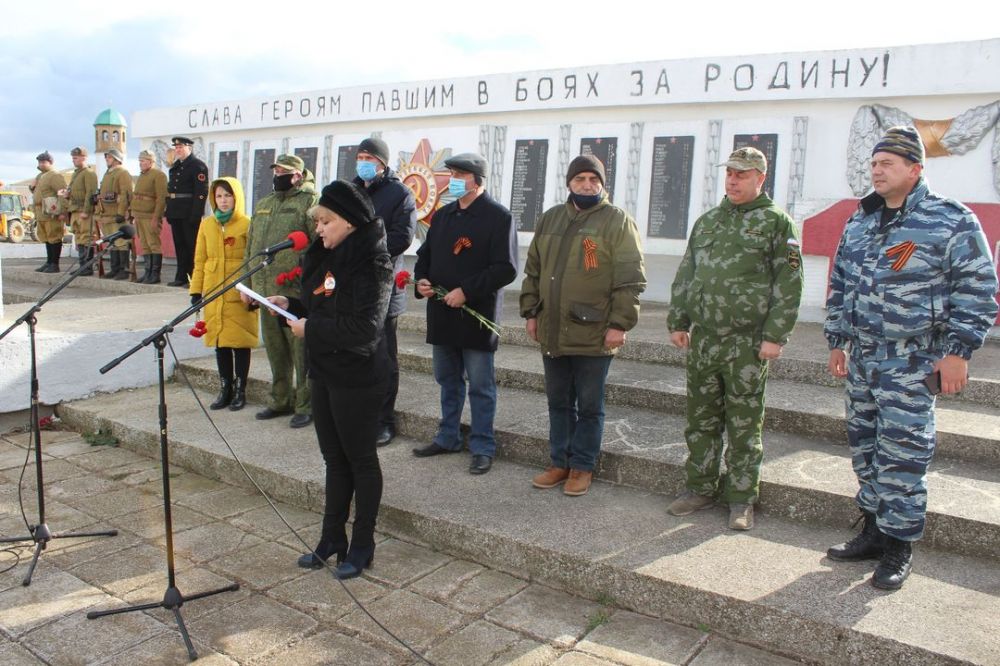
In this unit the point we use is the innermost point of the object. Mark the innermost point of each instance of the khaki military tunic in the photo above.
(50, 227)
(148, 203)
(113, 203)
(79, 204)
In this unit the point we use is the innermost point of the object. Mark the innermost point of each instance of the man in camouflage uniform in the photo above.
(79, 206)
(912, 294)
(49, 222)
(277, 215)
(148, 203)
(113, 202)
(733, 305)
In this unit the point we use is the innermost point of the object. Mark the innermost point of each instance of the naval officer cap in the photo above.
(468, 162)
(182, 140)
(746, 158)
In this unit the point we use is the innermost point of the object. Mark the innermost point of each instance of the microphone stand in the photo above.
(173, 599)
(40, 534)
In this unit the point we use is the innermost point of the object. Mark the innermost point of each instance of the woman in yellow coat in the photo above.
(231, 327)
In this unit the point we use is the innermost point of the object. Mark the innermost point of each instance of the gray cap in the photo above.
(471, 162)
(746, 158)
(376, 148)
(45, 157)
(116, 154)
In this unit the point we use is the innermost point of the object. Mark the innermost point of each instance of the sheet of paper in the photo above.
(243, 289)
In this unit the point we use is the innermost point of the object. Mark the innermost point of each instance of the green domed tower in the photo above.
(109, 131)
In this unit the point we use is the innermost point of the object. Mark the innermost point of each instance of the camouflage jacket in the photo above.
(925, 278)
(275, 216)
(741, 273)
(82, 186)
(116, 192)
(47, 186)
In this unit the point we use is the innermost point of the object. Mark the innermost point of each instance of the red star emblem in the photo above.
(423, 171)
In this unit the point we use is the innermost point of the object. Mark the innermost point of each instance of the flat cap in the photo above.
(147, 155)
(746, 158)
(377, 148)
(470, 162)
(181, 139)
(79, 151)
(115, 154)
(45, 156)
(292, 162)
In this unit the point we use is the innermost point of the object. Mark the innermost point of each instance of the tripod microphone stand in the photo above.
(40, 534)
(173, 599)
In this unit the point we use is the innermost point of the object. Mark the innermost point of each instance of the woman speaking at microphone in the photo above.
(346, 284)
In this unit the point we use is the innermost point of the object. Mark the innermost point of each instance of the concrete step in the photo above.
(771, 586)
(965, 431)
(803, 479)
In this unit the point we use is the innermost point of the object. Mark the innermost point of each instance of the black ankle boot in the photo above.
(321, 554)
(239, 395)
(225, 395)
(867, 545)
(357, 560)
(895, 565)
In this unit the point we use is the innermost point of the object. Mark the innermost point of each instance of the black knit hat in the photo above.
(582, 163)
(376, 147)
(349, 201)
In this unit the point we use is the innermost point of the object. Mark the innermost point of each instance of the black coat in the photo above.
(345, 345)
(395, 204)
(187, 177)
(482, 265)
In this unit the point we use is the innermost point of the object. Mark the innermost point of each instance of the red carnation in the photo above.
(281, 279)
(402, 279)
(296, 272)
(199, 329)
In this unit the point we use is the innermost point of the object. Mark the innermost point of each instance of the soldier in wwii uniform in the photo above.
(113, 203)
(278, 214)
(50, 224)
(733, 305)
(79, 206)
(148, 203)
(187, 189)
(912, 294)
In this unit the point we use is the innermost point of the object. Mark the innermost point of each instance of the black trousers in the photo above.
(346, 421)
(387, 413)
(185, 235)
(228, 357)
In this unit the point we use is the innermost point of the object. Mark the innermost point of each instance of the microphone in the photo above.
(296, 240)
(126, 231)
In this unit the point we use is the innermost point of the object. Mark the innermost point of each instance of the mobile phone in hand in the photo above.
(933, 382)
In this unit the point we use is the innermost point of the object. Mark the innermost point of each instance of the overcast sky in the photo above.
(63, 62)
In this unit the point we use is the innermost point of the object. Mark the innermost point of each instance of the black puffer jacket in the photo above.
(345, 345)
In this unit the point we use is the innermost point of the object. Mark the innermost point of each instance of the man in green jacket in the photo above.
(733, 305)
(78, 206)
(580, 294)
(50, 225)
(278, 214)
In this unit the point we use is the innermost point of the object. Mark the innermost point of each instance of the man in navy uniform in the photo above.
(187, 188)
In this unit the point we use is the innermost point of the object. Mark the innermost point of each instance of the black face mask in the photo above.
(585, 201)
(283, 182)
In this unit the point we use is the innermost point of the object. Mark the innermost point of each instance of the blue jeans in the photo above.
(574, 386)
(452, 365)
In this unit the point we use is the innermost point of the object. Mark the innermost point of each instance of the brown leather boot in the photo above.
(550, 478)
(578, 482)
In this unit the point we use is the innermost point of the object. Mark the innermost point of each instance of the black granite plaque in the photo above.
(228, 163)
(263, 178)
(606, 150)
(767, 144)
(309, 156)
(670, 189)
(527, 196)
(347, 157)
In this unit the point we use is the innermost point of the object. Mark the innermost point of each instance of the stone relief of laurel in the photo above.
(160, 148)
(956, 136)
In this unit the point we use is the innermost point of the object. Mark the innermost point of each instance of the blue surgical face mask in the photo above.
(456, 186)
(585, 201)
(365, 170)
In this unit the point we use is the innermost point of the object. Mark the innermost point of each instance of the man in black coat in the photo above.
(187, 188)
(395, 204)
(471, 253)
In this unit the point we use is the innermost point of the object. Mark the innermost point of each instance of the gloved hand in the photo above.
(195, 298)
(120, 219)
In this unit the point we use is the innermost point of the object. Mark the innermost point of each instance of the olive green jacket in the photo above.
(149, 199)
(741, 273)
(82, 186)
(583, 275)
(277, 215)
(47, 185)
(116, 192)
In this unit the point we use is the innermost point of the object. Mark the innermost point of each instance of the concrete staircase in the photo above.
(771, 586)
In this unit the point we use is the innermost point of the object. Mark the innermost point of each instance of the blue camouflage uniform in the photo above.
(902, 296)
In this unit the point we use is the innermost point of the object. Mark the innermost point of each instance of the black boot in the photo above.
(895, 565)
(156, 263)
(44, 268)
(123, 273)
(239, 395)
(85, 253)
(356, 561)
(225, 394)
(56, 250)
(323, 551)
(113, 265)
(867, 545)
(147, 268)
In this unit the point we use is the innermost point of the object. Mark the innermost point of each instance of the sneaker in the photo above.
(550, 478)
(578, 483)
(688, 502)
(740, 516)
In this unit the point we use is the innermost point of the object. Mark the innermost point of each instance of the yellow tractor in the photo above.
(16, 220)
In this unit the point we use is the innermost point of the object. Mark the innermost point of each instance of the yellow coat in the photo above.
(218, 252)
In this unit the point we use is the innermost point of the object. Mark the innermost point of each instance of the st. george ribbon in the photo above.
(297, 240)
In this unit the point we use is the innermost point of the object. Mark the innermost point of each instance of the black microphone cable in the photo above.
(267, 498)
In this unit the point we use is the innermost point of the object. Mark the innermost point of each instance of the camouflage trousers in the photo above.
(287, 357)
(890, 426)
(83, 228)
(725, 393)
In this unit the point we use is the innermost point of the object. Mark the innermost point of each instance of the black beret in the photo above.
(376, 147)
(470, 162)
(349, 201)
(182, 139)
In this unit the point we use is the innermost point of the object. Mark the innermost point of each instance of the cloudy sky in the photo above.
(62, 62)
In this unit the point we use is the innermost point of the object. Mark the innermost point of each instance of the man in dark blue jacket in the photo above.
(394, 203)
(471, 254)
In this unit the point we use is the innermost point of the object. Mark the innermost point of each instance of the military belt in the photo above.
(143, 196)
(179, 195)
